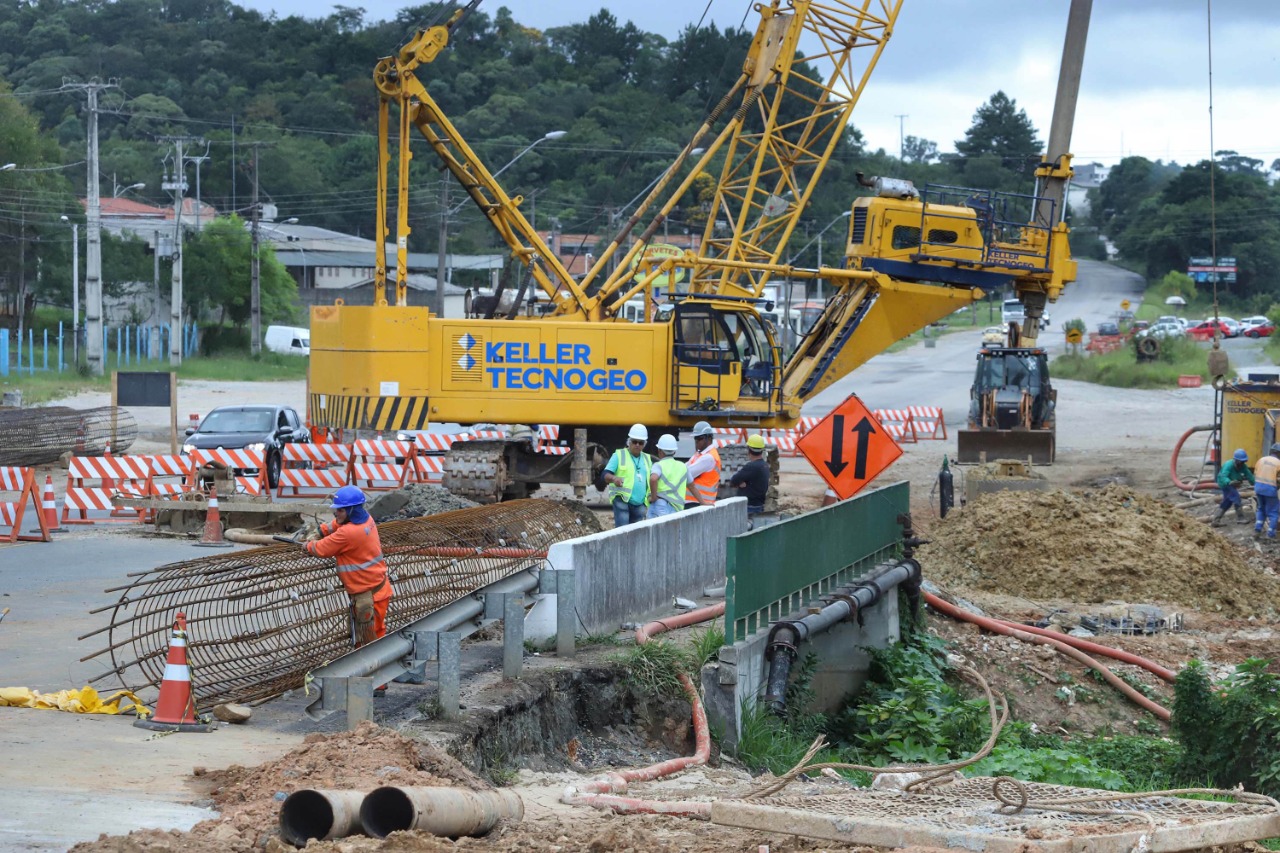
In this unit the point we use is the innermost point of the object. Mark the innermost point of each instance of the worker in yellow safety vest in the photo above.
(669, 480)
(1265, 493)
(627, 475)
(704, 468)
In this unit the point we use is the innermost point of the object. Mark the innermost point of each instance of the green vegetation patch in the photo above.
(1121, 368)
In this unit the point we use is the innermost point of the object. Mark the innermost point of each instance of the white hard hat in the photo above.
(667, 443)
(702, 428)
(638, 433)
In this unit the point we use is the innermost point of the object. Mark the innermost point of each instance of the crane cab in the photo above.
(725, 358)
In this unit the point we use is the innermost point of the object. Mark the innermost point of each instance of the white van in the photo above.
(289, 340)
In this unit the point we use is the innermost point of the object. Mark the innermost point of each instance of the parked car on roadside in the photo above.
(1162, 330)
(1108, 328)
(1257, 327)
(1139, 325)
(1204, 331)
(1169, 318)
(994, 335)
(1233, 326)
(263, 429)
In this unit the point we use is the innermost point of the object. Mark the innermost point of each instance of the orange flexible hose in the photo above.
(1098, 649)
(602, 793)
(998, 627)
(1188, 485)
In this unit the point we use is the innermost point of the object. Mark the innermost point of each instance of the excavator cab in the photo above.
(1011, 408)
(724, 358)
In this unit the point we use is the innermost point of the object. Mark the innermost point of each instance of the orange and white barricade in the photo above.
(22, 481)
(93, 480)
(239, 460)
(898, 423)
(928, 422)
(549, 441)
(326, 470)
(434, 443)
(381, 465)
(170, 475)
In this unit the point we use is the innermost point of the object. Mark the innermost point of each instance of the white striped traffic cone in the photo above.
(176, 707)
(213, 524)
(830, 497)
(49, 507)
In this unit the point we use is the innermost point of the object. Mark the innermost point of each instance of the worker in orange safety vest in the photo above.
(352, 540)
(704, 468)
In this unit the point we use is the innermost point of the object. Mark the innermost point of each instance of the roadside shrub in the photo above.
(1229, 731)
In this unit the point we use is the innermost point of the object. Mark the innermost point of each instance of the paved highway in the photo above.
(941, 375)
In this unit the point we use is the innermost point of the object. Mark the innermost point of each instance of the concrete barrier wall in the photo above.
(628, 574)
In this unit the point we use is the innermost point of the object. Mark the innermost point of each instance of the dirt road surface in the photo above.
(65, 778)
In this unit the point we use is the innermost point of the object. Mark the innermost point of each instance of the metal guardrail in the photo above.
(779, 569)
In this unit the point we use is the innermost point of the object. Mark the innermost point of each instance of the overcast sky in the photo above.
(1145, 88)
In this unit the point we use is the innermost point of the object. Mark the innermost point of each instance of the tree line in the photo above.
(627, 99)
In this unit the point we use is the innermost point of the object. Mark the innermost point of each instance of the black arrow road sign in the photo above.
(837, 464)
(864, 429)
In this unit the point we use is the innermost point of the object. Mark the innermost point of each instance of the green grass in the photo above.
(43, 386)
(1122, 369)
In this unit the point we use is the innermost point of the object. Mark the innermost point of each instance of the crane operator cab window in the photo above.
(713, 340)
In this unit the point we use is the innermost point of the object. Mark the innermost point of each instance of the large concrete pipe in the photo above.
(312, 813)
(449, 812)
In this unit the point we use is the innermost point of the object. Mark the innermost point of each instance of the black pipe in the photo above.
(845, 603)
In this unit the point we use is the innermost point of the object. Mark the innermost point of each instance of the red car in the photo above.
(1204, 331)
(1261, 330)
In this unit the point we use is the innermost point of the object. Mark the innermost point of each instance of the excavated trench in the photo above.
(578, 719)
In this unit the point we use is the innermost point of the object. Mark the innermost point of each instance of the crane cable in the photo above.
(1213, 167)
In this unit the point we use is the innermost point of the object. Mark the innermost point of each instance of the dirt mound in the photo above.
(1093, 546)
(248, 800)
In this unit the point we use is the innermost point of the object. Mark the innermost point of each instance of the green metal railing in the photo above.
(780, 569)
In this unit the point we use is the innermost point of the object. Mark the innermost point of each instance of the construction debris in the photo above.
(230, 712)
(40, 435)
(415, 500)
(1095, 546)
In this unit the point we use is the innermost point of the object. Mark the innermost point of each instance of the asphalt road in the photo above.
(941, 375)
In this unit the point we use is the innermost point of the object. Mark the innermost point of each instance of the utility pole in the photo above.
(437, 302)
(93, 229)
(255, 287)
(177, 183)
(901, 139)
(199, 161)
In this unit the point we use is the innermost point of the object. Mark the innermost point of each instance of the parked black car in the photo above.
(265, 428)
(1108, 329)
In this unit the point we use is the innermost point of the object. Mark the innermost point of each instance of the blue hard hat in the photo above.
(1240, 455)
(347, 496)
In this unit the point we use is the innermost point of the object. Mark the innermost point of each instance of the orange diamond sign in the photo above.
(849, 447)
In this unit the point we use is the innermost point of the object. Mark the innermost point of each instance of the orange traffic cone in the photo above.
(49, 507)
(176, 707)
(830, 497)
(213, 524)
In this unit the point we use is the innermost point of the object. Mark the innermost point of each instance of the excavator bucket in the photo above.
(988, 445)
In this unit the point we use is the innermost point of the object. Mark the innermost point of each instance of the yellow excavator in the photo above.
(582, 366)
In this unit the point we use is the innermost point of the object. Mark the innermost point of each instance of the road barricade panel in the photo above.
(382, 465)
(313, 470)
(899, 423)
(93, 480)
(22, 481)
(239, 460)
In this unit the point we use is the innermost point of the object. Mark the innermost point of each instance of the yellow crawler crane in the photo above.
(392, 366)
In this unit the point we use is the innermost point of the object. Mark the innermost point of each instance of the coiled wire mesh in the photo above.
(259, 620)
(42, 434)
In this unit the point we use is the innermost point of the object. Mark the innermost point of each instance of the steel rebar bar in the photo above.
(42, 434)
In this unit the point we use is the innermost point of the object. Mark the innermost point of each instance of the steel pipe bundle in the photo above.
(39, 435)
(259, 620)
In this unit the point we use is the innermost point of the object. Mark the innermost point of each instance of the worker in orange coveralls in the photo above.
(352, 540)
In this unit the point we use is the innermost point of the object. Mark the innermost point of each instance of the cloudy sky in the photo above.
(1145, 88)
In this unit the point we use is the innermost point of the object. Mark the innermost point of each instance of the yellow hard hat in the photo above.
(756, 442)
